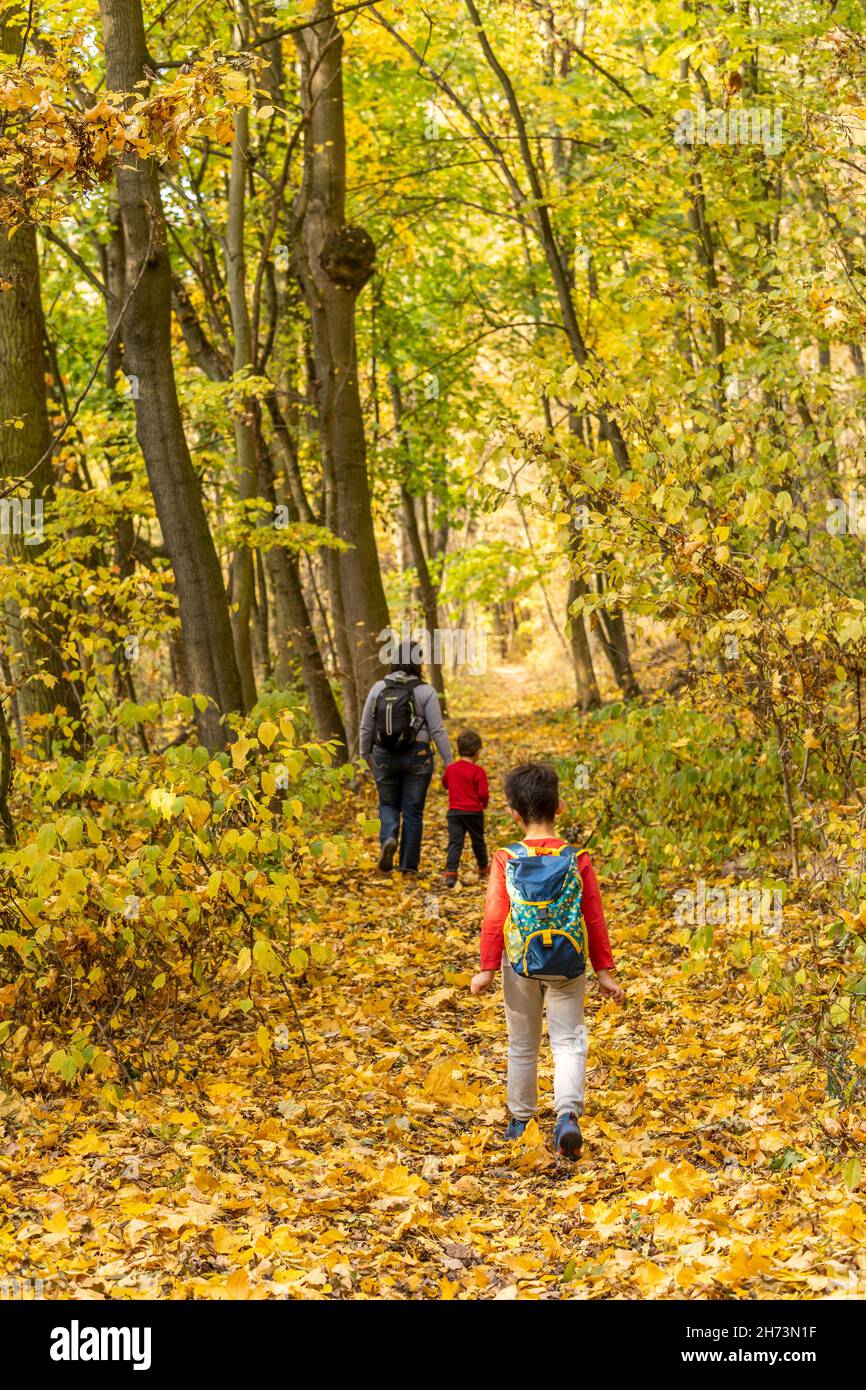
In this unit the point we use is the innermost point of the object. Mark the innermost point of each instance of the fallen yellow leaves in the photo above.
(713, 1166)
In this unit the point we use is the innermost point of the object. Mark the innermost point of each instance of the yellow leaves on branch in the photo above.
(855, 922)
(202, 882)
(267, 732)
(48, 139)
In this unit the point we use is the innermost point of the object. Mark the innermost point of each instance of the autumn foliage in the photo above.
(537, 324)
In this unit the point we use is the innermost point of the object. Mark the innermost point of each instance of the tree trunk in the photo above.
(180, 680)
(204, 613)
(409, 517)
(113, 259)
(427, 589)
(23, 444)
(334, 262)
(26, 474)
(5, 779)
(242, 581)
(614, 639)
(296, 626)
(588, 697)
(262, 619)
(22, 365)
(114, 276)
(353, 691)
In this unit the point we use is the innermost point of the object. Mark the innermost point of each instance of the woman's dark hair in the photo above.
(468, 743)
(532, 790)
(407, 658)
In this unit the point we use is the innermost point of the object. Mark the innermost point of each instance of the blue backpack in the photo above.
(544, 930)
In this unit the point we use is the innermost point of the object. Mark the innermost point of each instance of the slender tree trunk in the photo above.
(426, 588)
(706, 248)
(114, 276)
(204, 614)
(22, 349)
(334, 262)
(614, 640)
(6, 820)
(23, 444)
(588, 697)
(620, 655)
(500, 632)
(26, 476)
(286, 449)
(412, 533)
(262, 619)
(113, 261)
(296, 627)
(242, 581)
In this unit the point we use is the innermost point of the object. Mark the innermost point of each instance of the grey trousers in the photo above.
(525, 1001)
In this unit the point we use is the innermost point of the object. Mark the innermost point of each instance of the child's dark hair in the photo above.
(532, 790)
(468, 743)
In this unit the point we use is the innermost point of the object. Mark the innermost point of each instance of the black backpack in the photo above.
(395, 721)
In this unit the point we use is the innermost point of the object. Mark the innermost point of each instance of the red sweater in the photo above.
(497, 905)
(467, 786)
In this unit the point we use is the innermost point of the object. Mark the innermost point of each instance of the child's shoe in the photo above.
(515, 1128)
(449, 880)
(386, 858)
(567, 1138)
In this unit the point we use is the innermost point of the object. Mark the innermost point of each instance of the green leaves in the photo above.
(68, 1064)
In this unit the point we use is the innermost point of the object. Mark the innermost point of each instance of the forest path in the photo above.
(386, 1175)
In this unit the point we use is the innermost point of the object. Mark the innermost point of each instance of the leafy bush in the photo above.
(676, 784)
(144, 890)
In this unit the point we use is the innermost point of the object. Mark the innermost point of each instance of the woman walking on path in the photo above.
(401, 716)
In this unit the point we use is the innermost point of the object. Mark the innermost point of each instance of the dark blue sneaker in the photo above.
(515, 1128)
(386, 858)
(567, 1138)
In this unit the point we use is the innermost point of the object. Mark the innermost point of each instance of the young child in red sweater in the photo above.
(468, 795)
(532, 793)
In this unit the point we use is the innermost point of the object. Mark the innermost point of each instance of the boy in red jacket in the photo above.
(532, 793)
(468, 795)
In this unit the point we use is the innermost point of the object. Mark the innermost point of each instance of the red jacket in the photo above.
(467, 786)
(497, 905)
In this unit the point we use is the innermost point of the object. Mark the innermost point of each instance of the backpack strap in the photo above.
(411, 684)
(522, 850)
(379, 696)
